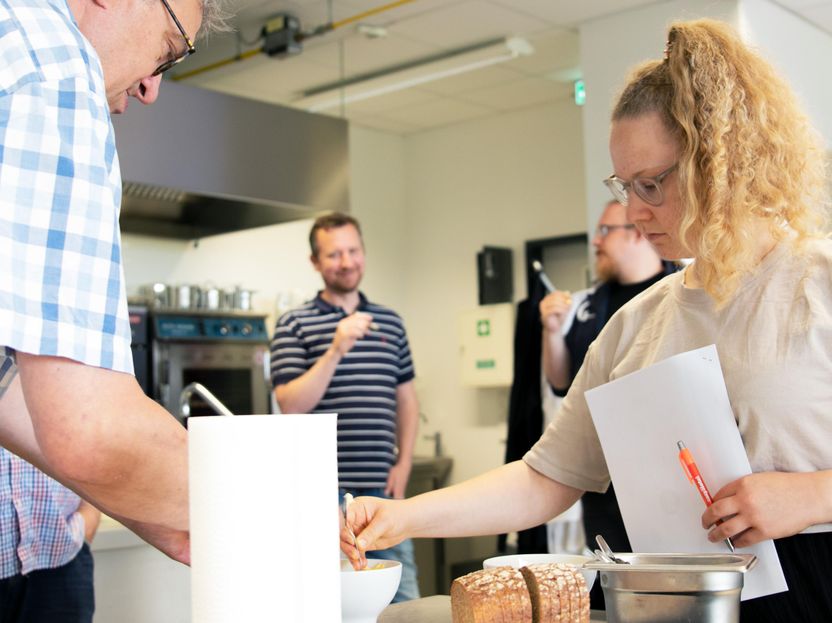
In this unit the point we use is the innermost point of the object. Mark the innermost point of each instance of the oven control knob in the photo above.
(246, 329)
(224, 329)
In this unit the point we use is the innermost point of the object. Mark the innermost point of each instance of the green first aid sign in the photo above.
(483, 328)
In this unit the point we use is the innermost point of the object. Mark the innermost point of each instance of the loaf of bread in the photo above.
(496, 595)
(558, 593)
(542, 593)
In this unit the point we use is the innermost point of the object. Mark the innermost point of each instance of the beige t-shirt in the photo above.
(775, 345)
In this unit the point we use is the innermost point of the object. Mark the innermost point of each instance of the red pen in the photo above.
(692, 472)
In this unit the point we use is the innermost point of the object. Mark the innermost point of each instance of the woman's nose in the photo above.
(638, 210)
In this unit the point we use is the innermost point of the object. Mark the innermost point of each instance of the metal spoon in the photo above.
(347, 501)
(607, 551)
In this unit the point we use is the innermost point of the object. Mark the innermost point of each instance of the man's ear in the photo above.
(314, 259)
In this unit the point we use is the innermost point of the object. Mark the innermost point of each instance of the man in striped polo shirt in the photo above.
(341, 354)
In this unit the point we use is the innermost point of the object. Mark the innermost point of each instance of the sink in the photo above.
(431, 468)
(429, 473)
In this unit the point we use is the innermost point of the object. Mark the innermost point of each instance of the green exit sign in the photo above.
(580, 92)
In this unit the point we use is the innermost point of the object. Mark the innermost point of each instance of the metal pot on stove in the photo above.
(242, 298)
(187, 296)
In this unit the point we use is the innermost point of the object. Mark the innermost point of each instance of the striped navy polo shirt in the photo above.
(363, 389)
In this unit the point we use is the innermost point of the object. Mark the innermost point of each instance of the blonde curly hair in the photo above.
(748, 154)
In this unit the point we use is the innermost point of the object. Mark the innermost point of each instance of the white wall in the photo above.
(378, 199)
(799, 50)
(148, 259)
(497, 181)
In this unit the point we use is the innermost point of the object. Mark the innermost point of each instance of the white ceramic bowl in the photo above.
(364, 594)
(523, 560)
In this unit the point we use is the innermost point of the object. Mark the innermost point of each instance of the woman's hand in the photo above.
(768, 505)
(377, 524)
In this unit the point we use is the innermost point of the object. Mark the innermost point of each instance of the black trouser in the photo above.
(601, 515)
(807, 565)
(61, 595)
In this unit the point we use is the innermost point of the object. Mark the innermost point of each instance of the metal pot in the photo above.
(157, 295)
(226, 299)
(661, 588)
(242, 298)
(188, 297)
(212, 298)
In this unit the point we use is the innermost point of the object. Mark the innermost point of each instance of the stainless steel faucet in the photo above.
(201, 391)
(437, 442)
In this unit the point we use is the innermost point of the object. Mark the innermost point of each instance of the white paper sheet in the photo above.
(639, 419)
(264, 519)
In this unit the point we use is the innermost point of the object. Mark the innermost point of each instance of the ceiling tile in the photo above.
(798, 5)
(569, 12)
(477, 79)
(311, 13)
(382, 123)
(391, 101)
(553, 49)
(467, 22)
(362, 55)
(399, 13)
(519, 94)
(820, 16)
(271, 75)
(249, 92)
(438, 112)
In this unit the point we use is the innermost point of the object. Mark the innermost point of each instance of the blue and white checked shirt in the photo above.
(40, 527)
(61, 279)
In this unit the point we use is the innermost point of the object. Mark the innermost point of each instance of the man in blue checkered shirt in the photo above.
(69, 403)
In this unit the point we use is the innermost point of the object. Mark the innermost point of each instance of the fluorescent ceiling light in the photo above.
(413, 74)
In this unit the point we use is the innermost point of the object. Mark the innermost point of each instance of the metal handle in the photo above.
(201, 391)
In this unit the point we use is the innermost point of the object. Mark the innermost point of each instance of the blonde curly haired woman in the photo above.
(714, 161)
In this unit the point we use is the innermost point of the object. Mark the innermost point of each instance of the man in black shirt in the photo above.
(625, 265)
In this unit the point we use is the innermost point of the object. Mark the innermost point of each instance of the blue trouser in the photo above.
(60, 595)
(403, 552)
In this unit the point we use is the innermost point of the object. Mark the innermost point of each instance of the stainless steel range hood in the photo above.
(198, 163)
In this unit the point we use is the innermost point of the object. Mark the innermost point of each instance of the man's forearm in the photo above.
(556, 360)
(303, 393)
(407, 414)
(99, 435)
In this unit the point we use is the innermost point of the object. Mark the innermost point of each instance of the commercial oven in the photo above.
(227, 352)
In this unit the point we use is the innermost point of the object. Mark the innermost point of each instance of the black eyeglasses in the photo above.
(188, 51)
(604, 230)
(647, 188)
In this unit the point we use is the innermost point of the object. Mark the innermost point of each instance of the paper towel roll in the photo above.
(264, 519)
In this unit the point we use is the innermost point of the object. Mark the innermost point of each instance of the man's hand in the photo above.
(768, 505)
(397, 479)
(92, 517)
(349, 331)
(553, 310)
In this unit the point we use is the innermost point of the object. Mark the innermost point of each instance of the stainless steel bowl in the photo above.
(664, 588)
